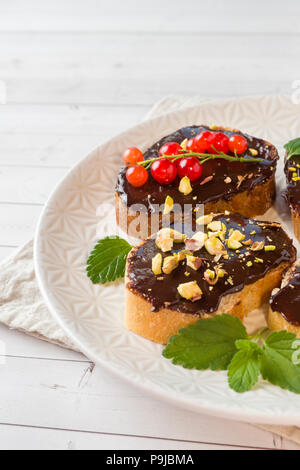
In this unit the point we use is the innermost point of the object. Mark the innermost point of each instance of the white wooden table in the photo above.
(77, 72)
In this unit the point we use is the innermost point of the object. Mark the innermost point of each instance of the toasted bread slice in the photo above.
(234, 272)
(292, 171)
(245, 188)
(284, 310)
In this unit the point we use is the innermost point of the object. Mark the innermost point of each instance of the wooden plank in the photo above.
(99, 68)
(167, 16)
(28, 184)
(56, 121)
(74, 396)
(59, 135)
(17, 223)
(23, 438)
(50, 149)
(19, 344)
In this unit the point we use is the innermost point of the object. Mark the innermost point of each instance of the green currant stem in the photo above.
(203, 157)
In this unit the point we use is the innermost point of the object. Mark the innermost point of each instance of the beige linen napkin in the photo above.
(22, 306)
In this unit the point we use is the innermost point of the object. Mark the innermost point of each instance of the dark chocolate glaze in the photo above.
(287, 300)
(293, 187)
(153, 194)
(163, 293)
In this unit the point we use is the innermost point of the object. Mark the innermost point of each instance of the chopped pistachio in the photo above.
(190, 291)
(220, 272)
(196, 242)
(183, 143)
(214, 246)
(292, 168)
(185, 186)
(209, 274)
(168, 234)
(205, 219)
(156, 264)
(181, 255)
(233, 244)
(258, 260)
(193, 262)
(270, 248)
(170, 263)
(257, 246)
(169, 204)
(249, 264)
(253, 152)
(253, 232)
(237, 236)
(165, 245)
(215, 226)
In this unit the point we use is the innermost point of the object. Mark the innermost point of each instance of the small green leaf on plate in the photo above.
(207, 344)
(107, 261)
(277, 364)
(292, 148)
(244, 369)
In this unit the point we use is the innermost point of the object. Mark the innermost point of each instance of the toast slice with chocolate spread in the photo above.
(230, 264)
(241, 187)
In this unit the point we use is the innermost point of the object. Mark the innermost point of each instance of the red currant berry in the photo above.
(170, 148)
(164, 171)
(137, 175)
(191, 145)
(238, 143)
(132, 155)
(190, 167)
(202, 141)
(219, 143)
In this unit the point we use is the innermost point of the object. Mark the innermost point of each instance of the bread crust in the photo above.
(276, 321)
(248, 203)
(296, 223)
(160, 326)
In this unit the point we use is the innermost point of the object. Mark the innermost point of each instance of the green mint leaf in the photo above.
(292, 148)
(207, 344)
(108, 260)
(278, 364)
(244, 369)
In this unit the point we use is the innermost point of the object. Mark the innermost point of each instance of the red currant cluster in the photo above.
(165, 171)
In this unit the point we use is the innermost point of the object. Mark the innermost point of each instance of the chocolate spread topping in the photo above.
(287, 300)
(161, 291)
(293, 187)
(229, 178)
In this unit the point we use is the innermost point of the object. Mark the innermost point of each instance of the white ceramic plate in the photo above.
(93, 315)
